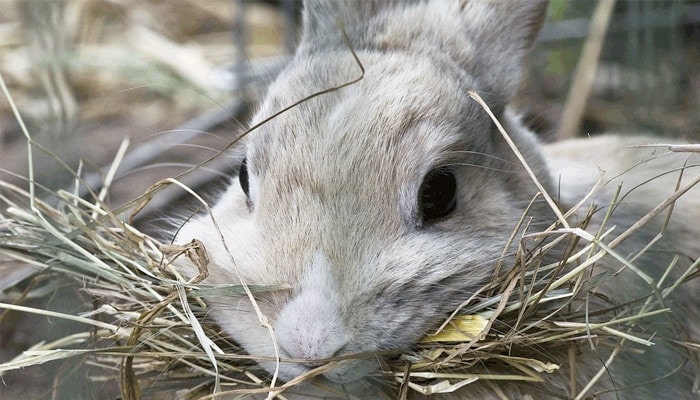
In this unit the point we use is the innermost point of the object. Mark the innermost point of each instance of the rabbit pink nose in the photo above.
(310, 327)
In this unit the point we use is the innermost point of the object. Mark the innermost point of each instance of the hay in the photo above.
(146, 320)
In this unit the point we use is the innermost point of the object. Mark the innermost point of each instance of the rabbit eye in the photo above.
(438, 194)
(243, 177)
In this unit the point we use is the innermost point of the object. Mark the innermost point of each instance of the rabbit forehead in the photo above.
(392, 111)
(394, 121)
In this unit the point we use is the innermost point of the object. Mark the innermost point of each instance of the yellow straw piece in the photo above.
(462, 328)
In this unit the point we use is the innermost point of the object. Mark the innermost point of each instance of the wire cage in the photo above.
(646, 76)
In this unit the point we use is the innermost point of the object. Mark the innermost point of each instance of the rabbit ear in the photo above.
(501, 34)
(322, 16)
(489, 39)
(323, 20)
(503, 25)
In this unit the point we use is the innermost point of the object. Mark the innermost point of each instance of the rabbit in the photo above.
(380, 205)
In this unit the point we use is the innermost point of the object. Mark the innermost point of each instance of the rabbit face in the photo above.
(382, 205)
(370, 203)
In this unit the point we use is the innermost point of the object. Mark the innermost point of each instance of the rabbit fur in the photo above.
(331, 206)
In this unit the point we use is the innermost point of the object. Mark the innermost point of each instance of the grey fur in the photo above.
(334, 184)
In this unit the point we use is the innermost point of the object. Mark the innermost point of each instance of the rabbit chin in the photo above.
(349, 373)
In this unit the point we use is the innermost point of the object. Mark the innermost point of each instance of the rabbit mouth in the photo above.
(349, 372)
(341, 372)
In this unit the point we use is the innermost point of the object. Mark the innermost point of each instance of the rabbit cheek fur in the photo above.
(333, 205)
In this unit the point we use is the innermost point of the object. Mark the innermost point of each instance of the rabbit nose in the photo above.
(310, 328)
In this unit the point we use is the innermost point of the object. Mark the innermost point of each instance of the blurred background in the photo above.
(178, 78)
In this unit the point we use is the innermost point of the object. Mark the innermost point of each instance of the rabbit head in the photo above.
(382, 204)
